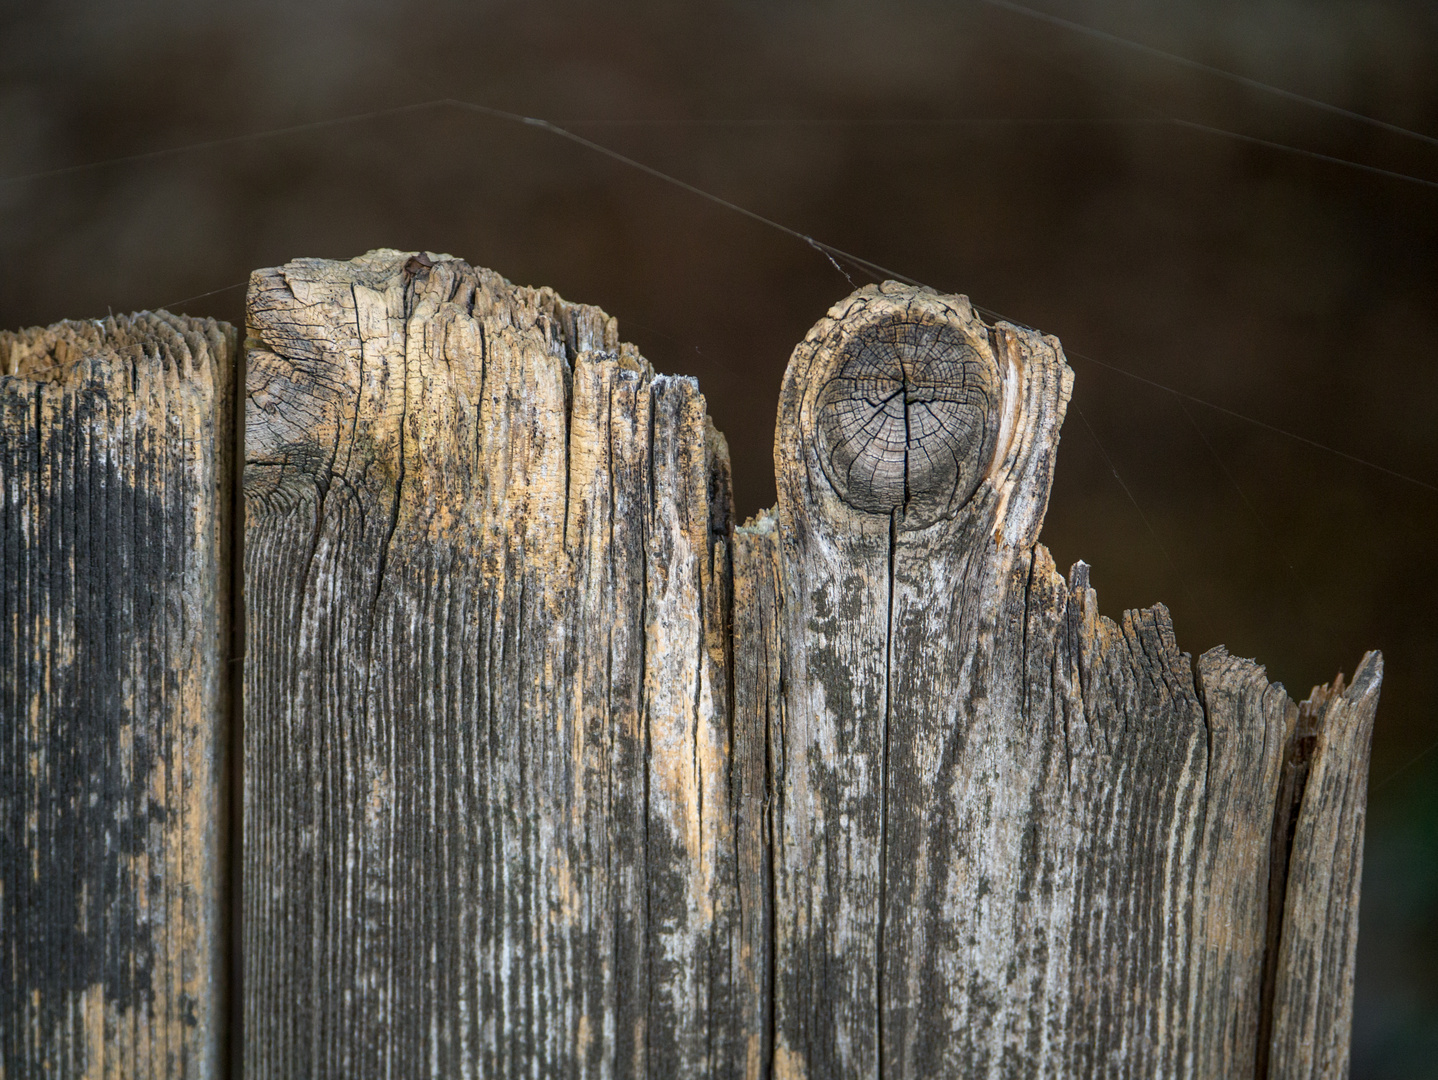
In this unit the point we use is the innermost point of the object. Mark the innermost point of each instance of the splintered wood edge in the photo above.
(304, 382)
(1311, 1011)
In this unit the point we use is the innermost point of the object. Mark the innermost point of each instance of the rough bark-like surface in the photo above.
(116, 473)
(1016, 838)
(490, 822)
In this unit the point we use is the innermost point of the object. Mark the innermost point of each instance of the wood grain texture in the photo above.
(1313, 1000)
(552, 770)
(1017, 838)
(903, 416)
(117, 467)
(490, 824)
(758, 706)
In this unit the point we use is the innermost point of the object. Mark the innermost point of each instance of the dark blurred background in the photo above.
(967, 146)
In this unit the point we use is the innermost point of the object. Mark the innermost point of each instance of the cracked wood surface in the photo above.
(116, 467)
(551, 769)
(1017, 838)
(489, 823)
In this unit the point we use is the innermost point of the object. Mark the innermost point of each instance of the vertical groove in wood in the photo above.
(489, 820)
(115, 467)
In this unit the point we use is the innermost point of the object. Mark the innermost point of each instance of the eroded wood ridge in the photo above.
(490, 796)
(1016, 838)
(116, 465)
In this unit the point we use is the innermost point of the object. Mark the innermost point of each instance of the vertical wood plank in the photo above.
(1019, 838)
(489, 810)
(117, 462)
(1313, 998)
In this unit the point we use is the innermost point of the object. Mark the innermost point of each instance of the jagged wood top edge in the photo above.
(572, 328)
(184, 347)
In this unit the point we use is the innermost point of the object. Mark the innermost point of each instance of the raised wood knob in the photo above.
(908, 418)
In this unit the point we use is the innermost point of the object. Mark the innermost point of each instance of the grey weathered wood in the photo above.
(758, 708)
(489, 815)
(552, 770)
(1017, 839)
(117, 467)
(1313, 1000)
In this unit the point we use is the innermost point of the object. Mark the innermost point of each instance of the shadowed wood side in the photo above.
(1017, 838)
(490, 820)
(757, 719)
(116, 467)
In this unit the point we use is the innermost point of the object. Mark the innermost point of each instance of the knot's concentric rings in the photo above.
(908, 417)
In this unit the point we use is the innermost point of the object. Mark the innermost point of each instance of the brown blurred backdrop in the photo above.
(964, 145)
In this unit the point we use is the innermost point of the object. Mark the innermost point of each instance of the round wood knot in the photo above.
(908, 418)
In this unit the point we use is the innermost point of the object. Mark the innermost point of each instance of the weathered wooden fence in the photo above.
(550, 768)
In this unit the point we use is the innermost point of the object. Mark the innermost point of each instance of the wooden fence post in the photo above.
(550, 769)
(1018, 839)
(116, 473)
(489, 821)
